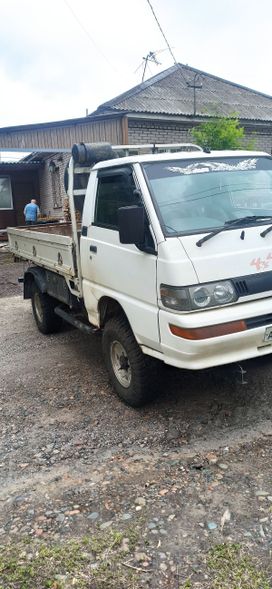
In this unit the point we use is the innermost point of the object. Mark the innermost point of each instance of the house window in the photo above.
(5, 193)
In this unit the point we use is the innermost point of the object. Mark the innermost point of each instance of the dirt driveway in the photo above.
(149, 498)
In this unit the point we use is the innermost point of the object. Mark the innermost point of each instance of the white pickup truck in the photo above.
(172, 259)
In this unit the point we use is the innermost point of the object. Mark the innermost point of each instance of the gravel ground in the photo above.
(188, 472)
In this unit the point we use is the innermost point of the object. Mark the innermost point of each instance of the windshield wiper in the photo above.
(232, 222)
(266, 231)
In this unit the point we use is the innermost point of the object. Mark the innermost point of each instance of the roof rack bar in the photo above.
(156, 148)
(87, 154)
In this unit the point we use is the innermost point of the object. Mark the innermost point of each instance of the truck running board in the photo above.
(73, 320)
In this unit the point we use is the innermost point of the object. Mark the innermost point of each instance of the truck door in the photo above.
(111, 269)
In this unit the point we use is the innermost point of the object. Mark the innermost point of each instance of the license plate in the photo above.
(268, 335)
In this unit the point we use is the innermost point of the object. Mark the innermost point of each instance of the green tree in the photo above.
(221, 133)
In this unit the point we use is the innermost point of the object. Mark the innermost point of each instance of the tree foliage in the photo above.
(220, 133)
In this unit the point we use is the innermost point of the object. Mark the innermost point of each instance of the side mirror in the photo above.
(131, 222)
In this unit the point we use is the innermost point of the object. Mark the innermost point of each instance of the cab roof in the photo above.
(185, 155)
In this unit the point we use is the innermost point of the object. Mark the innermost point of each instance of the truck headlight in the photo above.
(200, 296)
(223, 293)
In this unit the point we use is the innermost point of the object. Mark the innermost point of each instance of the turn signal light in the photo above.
(209, 331)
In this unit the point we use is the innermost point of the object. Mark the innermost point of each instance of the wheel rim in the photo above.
(120, 364)
(38, 307)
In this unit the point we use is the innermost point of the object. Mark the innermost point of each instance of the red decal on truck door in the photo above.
(261, 264)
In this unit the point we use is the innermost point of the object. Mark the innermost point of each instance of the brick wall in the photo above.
(157, 132)
(51, 185)
(141, 131)
(261, 138)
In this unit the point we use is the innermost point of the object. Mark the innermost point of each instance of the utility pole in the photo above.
(196, 85)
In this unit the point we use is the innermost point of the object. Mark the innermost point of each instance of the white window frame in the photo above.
(11, 208)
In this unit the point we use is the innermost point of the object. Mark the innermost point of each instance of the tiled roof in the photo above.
(171, 93)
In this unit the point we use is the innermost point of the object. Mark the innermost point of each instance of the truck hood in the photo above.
(227, 255)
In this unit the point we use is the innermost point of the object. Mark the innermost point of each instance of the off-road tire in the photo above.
(43, 310)
(142, 368)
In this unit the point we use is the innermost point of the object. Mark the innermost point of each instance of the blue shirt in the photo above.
(31, 212)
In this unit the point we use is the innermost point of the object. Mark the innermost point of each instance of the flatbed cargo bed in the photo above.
(50, 246)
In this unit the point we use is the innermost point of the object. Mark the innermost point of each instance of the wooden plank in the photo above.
(54, 136)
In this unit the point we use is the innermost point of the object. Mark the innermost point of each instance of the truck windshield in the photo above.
(197, 195)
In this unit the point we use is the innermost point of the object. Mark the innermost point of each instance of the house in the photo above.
(166, 107)
(162, 109)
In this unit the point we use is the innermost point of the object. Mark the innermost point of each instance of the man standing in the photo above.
(31, 212)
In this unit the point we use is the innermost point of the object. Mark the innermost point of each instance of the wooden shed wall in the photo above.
(62, 135)
(24, 186)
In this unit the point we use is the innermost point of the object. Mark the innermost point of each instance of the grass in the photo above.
(93, 562)
(97, 562)
(227, 566)
(230, 568)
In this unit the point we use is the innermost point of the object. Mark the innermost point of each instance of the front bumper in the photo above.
(234, 347)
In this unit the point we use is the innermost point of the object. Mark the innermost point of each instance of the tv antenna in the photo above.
(151, 57)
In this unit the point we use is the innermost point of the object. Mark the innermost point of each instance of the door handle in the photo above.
(93, 249)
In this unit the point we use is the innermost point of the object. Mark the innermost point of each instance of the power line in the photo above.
(169, 48)
(188, 83)
(156, 19)
(88, 34)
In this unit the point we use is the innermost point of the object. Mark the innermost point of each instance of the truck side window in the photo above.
(113, 191)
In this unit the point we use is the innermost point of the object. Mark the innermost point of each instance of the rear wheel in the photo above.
(43, 310)
(131, 372)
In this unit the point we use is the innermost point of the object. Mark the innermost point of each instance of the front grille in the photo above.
(259, 321)
(241, 287)
(252, 283)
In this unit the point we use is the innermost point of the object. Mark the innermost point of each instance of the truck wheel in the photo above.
(43, 310)
(129, 369)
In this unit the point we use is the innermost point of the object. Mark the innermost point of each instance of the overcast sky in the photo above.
(61, 57)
